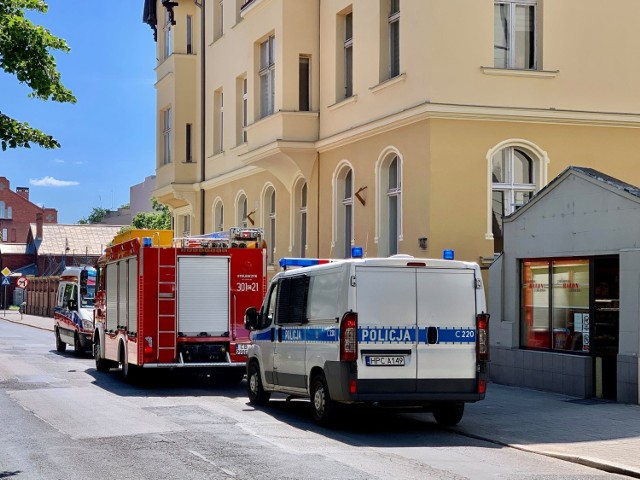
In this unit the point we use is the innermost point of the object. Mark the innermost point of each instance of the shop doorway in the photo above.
(606, 327)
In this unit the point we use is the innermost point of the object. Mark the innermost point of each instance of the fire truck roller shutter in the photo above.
(203, 296)
(112, 296)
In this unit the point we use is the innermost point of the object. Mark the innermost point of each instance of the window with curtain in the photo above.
(218, 217)
(393, 205)
(514, 36)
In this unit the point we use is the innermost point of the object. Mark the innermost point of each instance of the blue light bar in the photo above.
(356, 252)
(448, 254)
(147, 241)
(301, 262)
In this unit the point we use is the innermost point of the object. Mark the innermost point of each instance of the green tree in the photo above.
(25, 51)
(159, 219)
(96, 216)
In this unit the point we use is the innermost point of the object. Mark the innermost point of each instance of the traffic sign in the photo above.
(6, 272)
(5, 281)
(22, 282)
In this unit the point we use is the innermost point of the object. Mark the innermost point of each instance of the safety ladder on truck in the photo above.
(167, 318)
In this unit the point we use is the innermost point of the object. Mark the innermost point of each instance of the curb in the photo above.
(587, 462)
(26, 324)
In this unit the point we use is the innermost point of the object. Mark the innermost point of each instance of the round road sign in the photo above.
(22, 282)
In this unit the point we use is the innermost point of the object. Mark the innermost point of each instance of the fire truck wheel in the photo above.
(102, 364)
(130, 372)
(257, 395)
(448, 414)
(323, 409)
(60, 345)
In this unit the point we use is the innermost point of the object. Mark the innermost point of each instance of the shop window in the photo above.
(555, 305)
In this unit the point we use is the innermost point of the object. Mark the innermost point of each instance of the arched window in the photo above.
(218, 216)
(390, 205)
(242, 211)
(300, 218)
(515, 177)
(343, 239)
(269, 222)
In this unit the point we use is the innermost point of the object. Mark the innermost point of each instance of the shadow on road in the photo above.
(168, 383)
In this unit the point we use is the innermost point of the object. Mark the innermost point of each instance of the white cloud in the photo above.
(79, 162)
(51, 182)
(57, 160)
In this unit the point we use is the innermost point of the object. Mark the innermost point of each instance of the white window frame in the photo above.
(218, 215)
(166, 136)
(303, 219)
(540, 171)
(384, 196)
(245, 109)
(269, 221)
(343, 223)
(348, 55)
(168, 48)
(511, 46)
(242, 210)
(394, 43)
(267, 74)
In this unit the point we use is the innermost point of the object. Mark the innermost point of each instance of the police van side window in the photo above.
(270, 310)
(292, 300)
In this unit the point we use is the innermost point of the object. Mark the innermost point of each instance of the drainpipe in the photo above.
(203, 77)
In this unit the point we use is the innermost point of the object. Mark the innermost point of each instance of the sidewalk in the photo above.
(599, 434)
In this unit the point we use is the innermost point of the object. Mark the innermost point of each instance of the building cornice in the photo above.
(450, 111)
(231, 176)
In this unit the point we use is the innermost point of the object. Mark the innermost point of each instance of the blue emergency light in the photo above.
(301, 262)
(448, 255)
(147, 241)
(356, 252)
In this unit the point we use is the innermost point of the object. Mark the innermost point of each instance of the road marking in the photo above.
(202, 457)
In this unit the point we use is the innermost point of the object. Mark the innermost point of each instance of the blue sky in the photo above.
(108, 137)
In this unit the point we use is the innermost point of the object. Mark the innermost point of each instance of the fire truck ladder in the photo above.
(167, 318)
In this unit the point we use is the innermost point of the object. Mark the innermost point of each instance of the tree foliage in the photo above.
(159, 219)
(96, 216)
(25, 51)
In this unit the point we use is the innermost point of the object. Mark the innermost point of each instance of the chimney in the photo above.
(38, 226)
(50, 215)
(23, 192)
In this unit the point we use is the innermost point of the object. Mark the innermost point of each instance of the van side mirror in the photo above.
(251, 318)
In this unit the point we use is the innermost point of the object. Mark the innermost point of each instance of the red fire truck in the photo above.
(178, 303)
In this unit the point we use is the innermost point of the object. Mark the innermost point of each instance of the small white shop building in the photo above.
(564, 295)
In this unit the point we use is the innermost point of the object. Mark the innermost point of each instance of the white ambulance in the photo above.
(390, 332)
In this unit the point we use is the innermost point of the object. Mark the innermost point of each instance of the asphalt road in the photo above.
(61, 419)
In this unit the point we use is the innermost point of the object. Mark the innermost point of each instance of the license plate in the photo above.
(242, 348)
(384, 360)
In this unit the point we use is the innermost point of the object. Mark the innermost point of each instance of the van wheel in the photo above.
(77, 347)
(60, 345)
(102, 364)
(448, 414)
(257, 395)
(322, 407)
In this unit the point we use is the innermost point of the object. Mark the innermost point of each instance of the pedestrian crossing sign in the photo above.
(5, 281)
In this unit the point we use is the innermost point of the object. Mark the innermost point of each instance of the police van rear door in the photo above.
(387, 328)
(446, 313)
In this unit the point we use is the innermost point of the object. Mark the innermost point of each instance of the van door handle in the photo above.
(432, 335)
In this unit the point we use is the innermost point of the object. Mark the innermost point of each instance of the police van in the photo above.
(390, 332)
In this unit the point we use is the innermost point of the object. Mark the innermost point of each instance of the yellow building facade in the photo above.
(401, 126)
